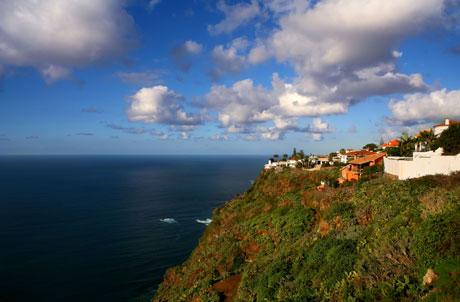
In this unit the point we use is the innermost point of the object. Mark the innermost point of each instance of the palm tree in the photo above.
(276, 156)
(285, 156)
(406, 144)
(427, 138)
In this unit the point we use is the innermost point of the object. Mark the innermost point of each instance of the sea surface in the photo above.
(106, 228)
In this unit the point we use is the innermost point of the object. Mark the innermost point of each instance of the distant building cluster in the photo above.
(353, 162)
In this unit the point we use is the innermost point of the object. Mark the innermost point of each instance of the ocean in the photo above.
(106, 228)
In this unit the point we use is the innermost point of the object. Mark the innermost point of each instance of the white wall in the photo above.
(423, 163)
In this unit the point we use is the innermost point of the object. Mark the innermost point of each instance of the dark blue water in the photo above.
(87, 228)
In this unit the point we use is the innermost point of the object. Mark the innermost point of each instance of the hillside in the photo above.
(283, 240)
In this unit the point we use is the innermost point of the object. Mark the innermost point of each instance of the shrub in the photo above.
(449, 140)
(344, 209)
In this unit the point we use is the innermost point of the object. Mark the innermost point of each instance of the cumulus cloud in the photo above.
(56, 36)
(140, 78)
(160, 105)
(344, 51)
(183, 54)
(235, 16)
(227, 60)
(418, 107)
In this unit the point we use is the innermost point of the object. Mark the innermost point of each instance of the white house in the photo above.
(440, 128)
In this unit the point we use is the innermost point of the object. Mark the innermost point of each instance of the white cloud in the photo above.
(434, 107)
(226, 61)
(183, 54)
(344, 51)
(56, 36)
(185, 136)
(158, 104)
(251, 137)
(219, 137)
(235, 16)
(317, 137)
(153, 3)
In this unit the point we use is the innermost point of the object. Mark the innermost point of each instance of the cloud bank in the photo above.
(55, 37)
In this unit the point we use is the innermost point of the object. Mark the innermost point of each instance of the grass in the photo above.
(376, 242)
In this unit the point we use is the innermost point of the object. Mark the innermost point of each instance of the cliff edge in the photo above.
(285, 240)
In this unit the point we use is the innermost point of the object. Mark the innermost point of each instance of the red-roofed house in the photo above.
(354, 170)
(393, 143)
(345, 157)
(439, 128)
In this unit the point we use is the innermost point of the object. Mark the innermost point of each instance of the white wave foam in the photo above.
(168, 220)
(206, 222)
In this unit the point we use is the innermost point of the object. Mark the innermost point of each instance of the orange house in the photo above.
(393, 143)
(354, 170)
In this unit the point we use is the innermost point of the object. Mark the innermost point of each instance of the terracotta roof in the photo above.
(367, 159)
(422, 131)
(393, 143)
(361, 152)
(444, 124)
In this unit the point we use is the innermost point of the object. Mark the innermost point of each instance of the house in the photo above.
(270, 165)
(439, 128)
(322, 159)
(354, 170)
(292, 163)
(393, 143)
(345, 157)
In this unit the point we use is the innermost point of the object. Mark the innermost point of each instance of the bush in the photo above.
(344, 209)
(449, 140)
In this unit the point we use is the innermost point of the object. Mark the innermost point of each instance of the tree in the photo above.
(331, 156)
(300, 154)
(406, 144)
(392, 151)
(271, 159)
(285, 156)
(342, 151)
(294, 153)
(370, 147)
(427, 138)
(381, 141)
(449, 140)
(276, 156)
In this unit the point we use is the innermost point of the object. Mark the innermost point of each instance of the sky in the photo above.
(223, 77)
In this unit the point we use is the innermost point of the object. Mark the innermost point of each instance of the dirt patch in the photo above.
(228, 287)
(324, 227)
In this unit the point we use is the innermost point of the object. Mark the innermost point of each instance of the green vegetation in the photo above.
(449, 140)
(282, 240)
(371, 147)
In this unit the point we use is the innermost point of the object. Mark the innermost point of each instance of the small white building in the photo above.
(440, 128)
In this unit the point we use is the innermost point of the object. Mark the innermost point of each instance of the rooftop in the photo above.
(367, 159)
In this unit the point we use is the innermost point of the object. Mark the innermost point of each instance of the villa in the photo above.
(354, 170)
(439, 128)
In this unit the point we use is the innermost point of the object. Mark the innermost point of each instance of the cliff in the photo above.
(283, 240)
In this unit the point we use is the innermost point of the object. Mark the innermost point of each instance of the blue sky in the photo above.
(223, 77)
